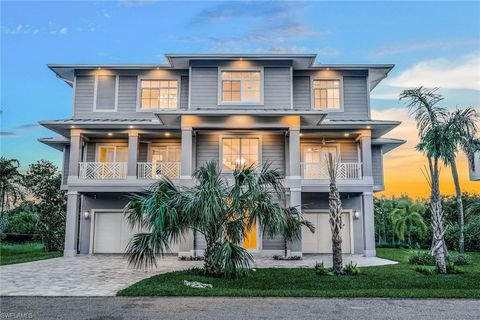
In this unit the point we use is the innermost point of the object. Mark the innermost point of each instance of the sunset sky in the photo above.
(435, 44)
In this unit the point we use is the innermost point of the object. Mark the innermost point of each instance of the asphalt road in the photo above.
(105, 308)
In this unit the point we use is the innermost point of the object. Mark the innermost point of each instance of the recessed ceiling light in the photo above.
(301, 134)
(131, 127)
(167, 134)
(369, 127)
(72, 126)
(110, 134)
(346, 134)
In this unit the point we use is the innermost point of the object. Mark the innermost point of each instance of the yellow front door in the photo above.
(250, 240)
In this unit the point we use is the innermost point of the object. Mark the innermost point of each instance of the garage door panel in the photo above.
(321, 240)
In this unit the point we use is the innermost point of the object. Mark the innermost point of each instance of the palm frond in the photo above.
(233, 259)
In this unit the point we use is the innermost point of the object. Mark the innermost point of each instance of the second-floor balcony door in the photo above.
(166, 161)
(315, 161)
(112, 162)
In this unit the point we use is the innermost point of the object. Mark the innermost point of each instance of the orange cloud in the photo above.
(403, 166)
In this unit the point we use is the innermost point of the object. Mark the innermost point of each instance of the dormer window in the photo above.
(241, 87)
(326, 94)
(158, 94)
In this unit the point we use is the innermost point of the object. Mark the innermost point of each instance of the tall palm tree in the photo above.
(407, 216)
(422, 103)
(222, 210)
(335, 210)
(10, 183)
(458, 131)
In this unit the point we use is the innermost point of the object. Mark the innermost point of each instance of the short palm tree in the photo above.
(335, 211)
(222, 209)
(458, 131)
(406, 217)
(429, 116)
(10, 183)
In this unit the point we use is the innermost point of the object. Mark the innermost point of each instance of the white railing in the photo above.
(346, 170)
(156, 170)
(103, 170)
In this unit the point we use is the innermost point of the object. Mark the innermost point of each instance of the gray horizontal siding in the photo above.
(84, 94)
(277, 90)
(184, 93)
(273, 149)
(355, 100)
(143, 152)
(204, 88)
(66, 164)
(301, 93)
(377, 165)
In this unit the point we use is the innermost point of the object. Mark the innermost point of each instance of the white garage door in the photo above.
(112, 233)
(321, 240)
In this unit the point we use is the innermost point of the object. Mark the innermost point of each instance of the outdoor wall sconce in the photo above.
(86, 214)
(356, 214)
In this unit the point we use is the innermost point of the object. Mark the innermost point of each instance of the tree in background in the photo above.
(10, 183)
(422, 103)
(458, 131)
(43, 181)
(335, 210)
(406, 217)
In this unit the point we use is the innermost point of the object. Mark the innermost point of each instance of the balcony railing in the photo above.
(103, 170)
(346, 170)
(156, 170)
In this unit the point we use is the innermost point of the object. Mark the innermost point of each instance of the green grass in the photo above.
(396, 281)
(18, 253)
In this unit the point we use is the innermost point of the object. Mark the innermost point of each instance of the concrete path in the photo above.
(235, 308)
(104, 275)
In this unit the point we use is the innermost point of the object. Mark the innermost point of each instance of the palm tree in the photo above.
(458, 132)
(422, 103)
(335, 210)
(407, 216)
(10, 183)
(222, 210)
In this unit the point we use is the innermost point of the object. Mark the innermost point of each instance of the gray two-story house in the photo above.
(132, 124)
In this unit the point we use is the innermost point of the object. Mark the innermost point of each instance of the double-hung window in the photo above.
(158, 94)
(326, 94)
(240, 152)
(243, 87)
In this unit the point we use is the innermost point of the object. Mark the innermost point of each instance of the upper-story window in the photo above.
(326, 94)
(239, 152)
(106, 93)
(241, 87)
(158, 94)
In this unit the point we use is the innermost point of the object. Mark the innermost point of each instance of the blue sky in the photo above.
(431, 43)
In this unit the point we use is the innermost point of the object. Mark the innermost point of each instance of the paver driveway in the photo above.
(104, 275)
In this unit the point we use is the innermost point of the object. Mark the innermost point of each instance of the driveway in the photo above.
(104, 275)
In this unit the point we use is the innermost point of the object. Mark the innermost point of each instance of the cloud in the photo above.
(7, 133)
(26, 29)
(460, 73)
(20, 29)
(421, 45)
(21, 129)
(135, 3)
(293, 49)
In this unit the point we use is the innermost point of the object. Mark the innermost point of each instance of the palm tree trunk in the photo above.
(438, 245)
(335, 209)
(458, 192)
(211, 268)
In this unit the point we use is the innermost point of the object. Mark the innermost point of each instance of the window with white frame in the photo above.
(241, 87)
(326, 94)
(240, 152)
(158, 94)
(105, 93)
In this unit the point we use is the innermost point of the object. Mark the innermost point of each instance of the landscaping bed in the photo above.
(396, 281)
(25, 252)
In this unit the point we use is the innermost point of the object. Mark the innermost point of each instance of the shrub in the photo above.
(191, 258)
(23, 222)
(421, 258)
(321, 270)
(288, 258)
(452, 268)
(428, 271)
(351, 269)
(460, 259)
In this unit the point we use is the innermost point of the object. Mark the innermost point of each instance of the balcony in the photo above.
(156, 170)
(103, 170)
(319, 171)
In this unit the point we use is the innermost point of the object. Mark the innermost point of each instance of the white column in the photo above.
(187, 154)
(132, 154)
(71, 225)
(366, 142)
(294, 181)
(75, 153)
(368, 224)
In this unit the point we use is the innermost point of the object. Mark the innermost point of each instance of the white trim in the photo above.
(350, 215)
(291, 87)
(220, 101)
(240, 136)
(74, 95)
(340, 95)
(95, 92)
(189, 88)
(177, 78)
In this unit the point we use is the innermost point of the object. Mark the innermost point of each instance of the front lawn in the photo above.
(399, 281)
(18, 253)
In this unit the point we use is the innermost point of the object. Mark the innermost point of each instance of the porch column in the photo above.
(368, 224)
(187, 154)
(132, 154)
(71, 225)
(75, 153)
(294, 181)
(366, 142)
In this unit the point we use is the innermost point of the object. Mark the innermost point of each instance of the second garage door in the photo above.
(111, 233)
(321, 240)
